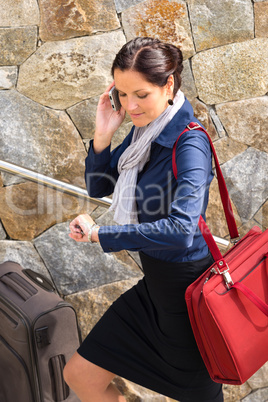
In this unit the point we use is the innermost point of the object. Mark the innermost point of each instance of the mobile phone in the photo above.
(81, 230)
(114, 99)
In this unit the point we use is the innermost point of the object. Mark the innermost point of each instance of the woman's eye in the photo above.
(121, 95)
(142, 96)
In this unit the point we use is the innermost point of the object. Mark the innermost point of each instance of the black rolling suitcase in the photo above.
(38, 334)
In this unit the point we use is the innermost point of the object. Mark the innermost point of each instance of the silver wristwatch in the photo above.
(90, 232)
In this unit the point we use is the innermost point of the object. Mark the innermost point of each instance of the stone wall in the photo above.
(55, 61)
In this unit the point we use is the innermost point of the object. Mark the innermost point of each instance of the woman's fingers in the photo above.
(110, 87)
(80, 226)
(76, 236)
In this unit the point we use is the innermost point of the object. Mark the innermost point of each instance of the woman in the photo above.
(145, 336)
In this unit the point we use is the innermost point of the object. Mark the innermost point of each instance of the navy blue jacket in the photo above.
(168, 210)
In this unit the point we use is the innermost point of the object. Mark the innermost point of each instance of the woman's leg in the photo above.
(91, 383)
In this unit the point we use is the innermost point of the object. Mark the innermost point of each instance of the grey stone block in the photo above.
(76, 267)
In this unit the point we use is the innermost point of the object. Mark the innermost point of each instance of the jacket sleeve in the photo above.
(193, 157)
(101, 169)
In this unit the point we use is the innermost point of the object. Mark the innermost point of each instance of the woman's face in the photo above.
(143, 101)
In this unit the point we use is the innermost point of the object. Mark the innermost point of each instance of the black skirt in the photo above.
(146, 337)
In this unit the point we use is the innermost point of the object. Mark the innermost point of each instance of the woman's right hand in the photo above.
(107, 121)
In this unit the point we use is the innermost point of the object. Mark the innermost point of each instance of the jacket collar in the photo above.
(173, 129)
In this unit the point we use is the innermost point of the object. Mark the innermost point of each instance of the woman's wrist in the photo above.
(99, 148)
(94, 237)
(101, 142)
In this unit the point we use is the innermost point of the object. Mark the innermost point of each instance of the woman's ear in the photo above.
(170, 85)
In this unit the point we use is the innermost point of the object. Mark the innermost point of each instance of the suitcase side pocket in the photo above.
(12, 366)
(60, 389)
(5, 317)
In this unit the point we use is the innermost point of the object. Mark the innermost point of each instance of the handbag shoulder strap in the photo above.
(219, 259)
(226, 202)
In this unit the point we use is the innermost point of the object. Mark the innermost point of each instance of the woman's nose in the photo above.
(131, 104)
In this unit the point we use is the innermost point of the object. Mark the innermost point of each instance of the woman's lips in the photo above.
(135, 115)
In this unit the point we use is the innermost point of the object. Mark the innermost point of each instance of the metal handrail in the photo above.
(53, 183)
(39, 178)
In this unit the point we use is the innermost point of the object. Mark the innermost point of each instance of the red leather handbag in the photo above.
(228, 304)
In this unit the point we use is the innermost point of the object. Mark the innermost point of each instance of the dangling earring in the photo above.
(170, 102)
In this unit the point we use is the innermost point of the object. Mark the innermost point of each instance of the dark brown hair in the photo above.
(155, 60)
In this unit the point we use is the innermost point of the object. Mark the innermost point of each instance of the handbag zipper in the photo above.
(245, 240)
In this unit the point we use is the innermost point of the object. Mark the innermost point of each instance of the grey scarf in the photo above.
(132, 161)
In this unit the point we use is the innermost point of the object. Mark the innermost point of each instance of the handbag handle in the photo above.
(252, 297)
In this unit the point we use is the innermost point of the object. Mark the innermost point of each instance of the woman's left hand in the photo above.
(80, 227)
